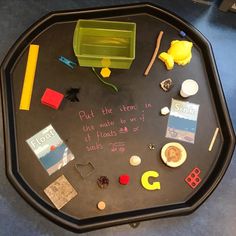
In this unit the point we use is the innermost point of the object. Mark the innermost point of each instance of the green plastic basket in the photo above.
(105, 43)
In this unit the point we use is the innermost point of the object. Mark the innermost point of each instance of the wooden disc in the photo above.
(173, 154)
(101, 205)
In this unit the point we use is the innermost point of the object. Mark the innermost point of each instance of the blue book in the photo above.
(182, 122)
(50, 150)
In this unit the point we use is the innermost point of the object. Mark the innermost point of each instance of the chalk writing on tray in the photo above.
(106, 111)
(117, 147)
(95, 147)
(83, 115)
(123, 130)
(106, 134)
(127, 108)
(107, 123)
(88, 128)
(106, 127)
(122, 121)
(147, 105)
(136, 129)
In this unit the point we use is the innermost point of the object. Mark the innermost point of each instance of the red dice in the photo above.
(52, 98)
(193, 179)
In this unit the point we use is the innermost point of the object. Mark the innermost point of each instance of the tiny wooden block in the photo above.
(193, 179)
(52, 98)
(60, 192)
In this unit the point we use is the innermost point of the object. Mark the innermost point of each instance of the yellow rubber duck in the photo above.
(179, 52)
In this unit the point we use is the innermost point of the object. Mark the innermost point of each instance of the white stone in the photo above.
(165, 111)
(135, 160)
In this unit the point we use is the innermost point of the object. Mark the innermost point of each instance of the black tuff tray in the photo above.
(125, 204)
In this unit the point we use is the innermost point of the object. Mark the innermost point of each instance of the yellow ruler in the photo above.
(29, 77)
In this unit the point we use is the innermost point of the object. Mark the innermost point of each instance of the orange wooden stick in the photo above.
(154, 54)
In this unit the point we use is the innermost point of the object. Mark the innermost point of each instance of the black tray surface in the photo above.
(54, 34)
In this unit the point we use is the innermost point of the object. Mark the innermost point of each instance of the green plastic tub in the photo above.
(105, 43)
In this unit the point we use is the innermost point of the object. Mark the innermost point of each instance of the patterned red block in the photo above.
(193, 179)
(52, 98)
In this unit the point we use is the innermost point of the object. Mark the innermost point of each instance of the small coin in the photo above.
(101, 205)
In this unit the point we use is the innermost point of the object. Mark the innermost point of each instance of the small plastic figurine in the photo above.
(179, 52)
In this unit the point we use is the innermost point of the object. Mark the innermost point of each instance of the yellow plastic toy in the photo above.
(145, 182)
(29, 77)
(105, 72)
(179, 52)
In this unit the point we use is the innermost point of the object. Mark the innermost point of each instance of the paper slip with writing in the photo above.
(182, 122)
(51, 151)
(60, 192)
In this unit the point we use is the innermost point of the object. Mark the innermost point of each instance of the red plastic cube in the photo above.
(52, 98)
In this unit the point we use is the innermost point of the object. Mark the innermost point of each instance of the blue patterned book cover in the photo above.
(51, 151)
(182, 122)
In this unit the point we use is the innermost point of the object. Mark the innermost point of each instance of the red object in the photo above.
(193, 179)
(52, 98)
(52, 148)
(124, 179)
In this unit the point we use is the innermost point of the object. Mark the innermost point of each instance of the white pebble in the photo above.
(135, 160)
(165, 111)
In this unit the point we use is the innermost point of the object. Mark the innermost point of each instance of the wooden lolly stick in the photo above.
(213, 139)
(154, 54)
